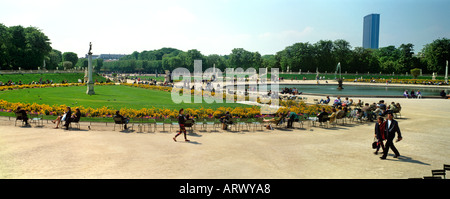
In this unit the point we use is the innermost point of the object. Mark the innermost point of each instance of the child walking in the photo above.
(181, 122)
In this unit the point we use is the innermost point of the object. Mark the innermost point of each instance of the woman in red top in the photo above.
(181, 122)
(379, 133)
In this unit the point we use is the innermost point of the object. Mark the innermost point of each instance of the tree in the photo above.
(324, 57)
(23, 47)
(54, 59)
(82, 62)
(268, 61)
(70, 56)
(5, 46)
(98, 64)
(435, 55)
(415, 72)
(406, 59)
(67, 65)
(189, 58)
(342, 53)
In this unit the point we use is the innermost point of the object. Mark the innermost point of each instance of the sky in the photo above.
(218, 26)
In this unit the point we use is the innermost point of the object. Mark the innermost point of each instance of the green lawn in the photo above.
(114, 96)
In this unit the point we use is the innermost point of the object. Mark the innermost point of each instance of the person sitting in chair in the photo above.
(322, 116)
(337, 102)
(333, 115)
(277, 120)
(58, 119)
(66, 118)
(76, 116)
(24, 115)
(291, 118)
(322, 101)
(124, 120)
(226, 119)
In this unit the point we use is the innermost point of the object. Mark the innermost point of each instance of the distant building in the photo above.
(108, 56)
(93, 56)
(371, 32)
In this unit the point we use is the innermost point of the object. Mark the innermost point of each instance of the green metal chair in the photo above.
(159, 122)
(200, 122)
(210, 121)
(173, 122)
(242, 122)
(151, 122)
(167, 121)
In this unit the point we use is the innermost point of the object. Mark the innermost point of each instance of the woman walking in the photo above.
(380, 127)
(181, 122)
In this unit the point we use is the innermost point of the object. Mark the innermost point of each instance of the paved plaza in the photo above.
(342, 152)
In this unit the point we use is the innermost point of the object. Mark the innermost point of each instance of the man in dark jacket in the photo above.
(67, 118)
(391, 128)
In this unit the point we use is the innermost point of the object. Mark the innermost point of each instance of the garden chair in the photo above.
(76, 122)
(211, 121)
(150, 123)
(39, 121)
(446, 167)
(242, 122)
(139, 122)
(118, 121)
(233, 124)
(324, 121)
(431, 177)
(190, 124)
(436, 173)
(19, 116)
(257, 122)
(174, 122)
(397, 113)
(200, 122)
(159, 122)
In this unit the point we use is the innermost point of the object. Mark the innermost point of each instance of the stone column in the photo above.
(90, 82)
(446, 72)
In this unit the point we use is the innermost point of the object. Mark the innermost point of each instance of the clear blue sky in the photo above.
(218, 26)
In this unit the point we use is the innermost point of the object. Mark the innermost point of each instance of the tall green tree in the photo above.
(5, 46)
(435, 55)
(54, 59)
(342, 53)
(70, 56)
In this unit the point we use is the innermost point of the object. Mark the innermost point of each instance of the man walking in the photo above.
(391, 128)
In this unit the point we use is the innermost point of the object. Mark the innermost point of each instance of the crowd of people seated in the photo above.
(67, 117)
(11, 83)
(291, 91)
(413, 94)
(372, 111)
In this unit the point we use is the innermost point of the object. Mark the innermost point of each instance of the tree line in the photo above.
(323, 55)
(28, 48)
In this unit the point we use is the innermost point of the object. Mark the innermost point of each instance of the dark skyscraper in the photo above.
(371, 32)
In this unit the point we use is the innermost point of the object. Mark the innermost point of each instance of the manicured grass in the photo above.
(56, 77)
(111, 96)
